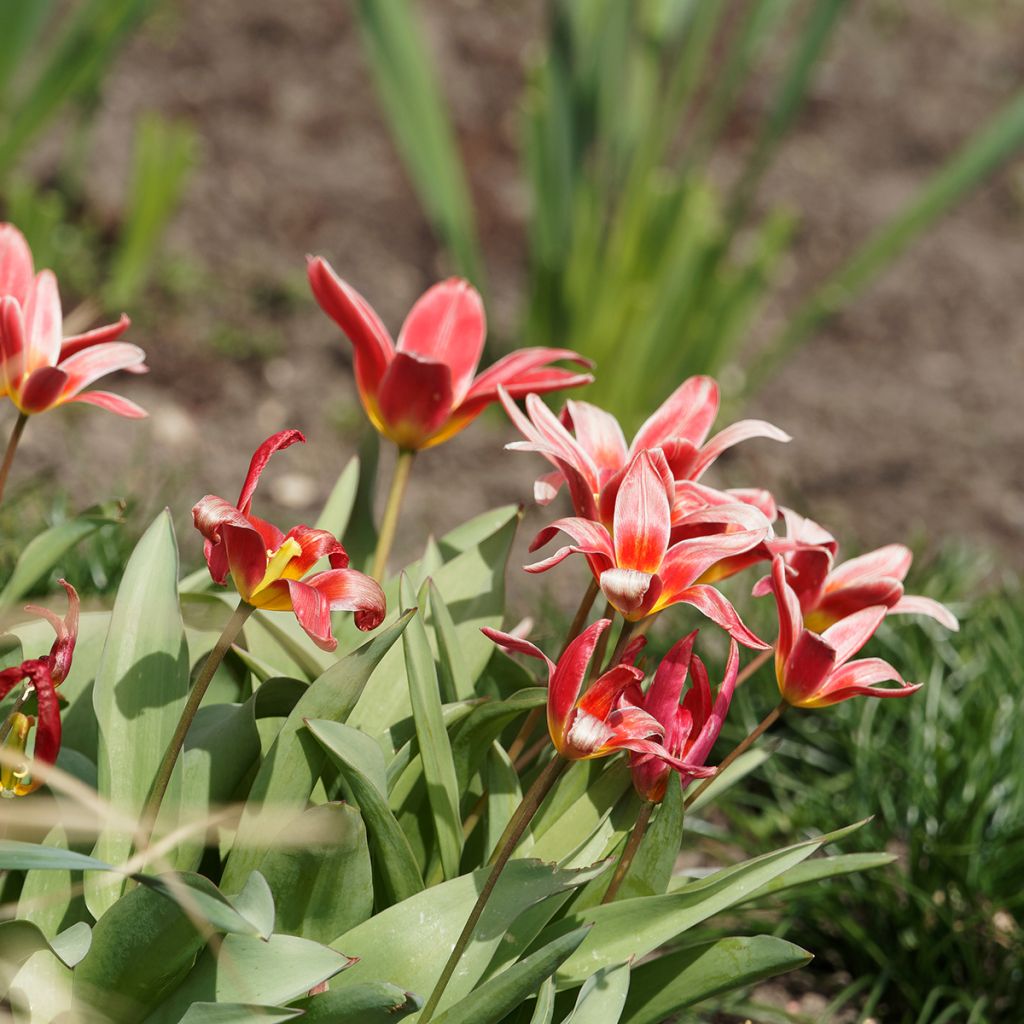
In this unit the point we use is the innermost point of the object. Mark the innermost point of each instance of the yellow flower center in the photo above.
(14, 769)
(278, 563)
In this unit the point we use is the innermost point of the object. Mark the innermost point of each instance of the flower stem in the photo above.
(762, 727)
(625, 635)
(506, 846)
(188, 713)
(575, 628)
(632, 845)
(755, 663)
(602, 644)
(389, 523)
(12, 447)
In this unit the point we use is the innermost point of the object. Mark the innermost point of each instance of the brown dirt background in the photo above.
(906, 410)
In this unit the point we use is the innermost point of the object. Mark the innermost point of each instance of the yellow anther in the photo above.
(278, 562)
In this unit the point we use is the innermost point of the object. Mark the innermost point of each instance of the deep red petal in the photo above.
(517, 645)
(849, 635)
(662, 700)
(567, 678)
(313, 610)
(348, 590)
(808, 666)
(97, 336)
(718, 609)
(415, 400)
(600, 698)
(246, 556)
(275, 443)
(315, 544)
(42, 389)
(893, 561)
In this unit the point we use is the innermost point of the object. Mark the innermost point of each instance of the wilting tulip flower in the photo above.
(589, 451)
(422, 391)
(268, 566)
(599, 723)
(828, 594)
(690, 727)
(639, 571)
(814, 671)
(38, 369)
(42, 676)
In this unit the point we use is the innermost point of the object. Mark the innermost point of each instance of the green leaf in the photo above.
(291, 768)
(435, 747)
(256, 904)
(652, 867)
(19, 940)
(630, 929)
(820, 868)
(237, 1013)
(18, 856)
(140, 689)
(197, 897)
(504, 992)
(246, 970)
(142, 948)
(341, 501)
(368, 1002)
(504, 795)
(671, 983)
(41, 989)
(46, 550)
(362, 763)
(46, 898)
(544, 1010)
(602, 997)
(390, 947)
(455, 681)
(320, 873)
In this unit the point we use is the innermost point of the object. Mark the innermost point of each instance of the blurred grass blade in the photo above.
(22, 23)
(1001, 139)
(413, 102)
(164, 155)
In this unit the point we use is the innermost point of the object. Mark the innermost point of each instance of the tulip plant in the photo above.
(281, 787)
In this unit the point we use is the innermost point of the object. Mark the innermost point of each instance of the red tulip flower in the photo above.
(639, 571)
(828, 593)
(691, 727)
(43, 676)
(268, 567)
(598, 723)
(423, 390)
(39, 370)
(815, 671)
(589, 452)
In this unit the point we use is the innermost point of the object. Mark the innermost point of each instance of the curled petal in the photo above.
(592, 537)
(807, 532)
(517, 645)
(9, 679)
(210, 513)
(48, 727)
(371, 342)
(275, 443)
(915, 604)
(447, 325)
(415, 400)
(689, 560)
(732, 435)
(97, 336)
(687, 414)
(567, 678)
(315, 544)
(88, 365)
(313, 610)
(551, 432)
(517, 371)
(860, 679)
(840, 604)
(631, 592)
(112, 403)
(718, 609)
(702, 743)
(348, 590)
(66, 631)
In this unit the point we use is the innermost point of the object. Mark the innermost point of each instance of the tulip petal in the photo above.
(16, 269)
(687, 414)
(313, 610)
(43, 320)
(806, 669)
(718, 609)
(662, 700)
(700, 746)
(66, 630)
(112, 403)
(9, 679)
(599, 434)
(97, 336)
(348, 590)
(790, 616)
(447, 325)
(371, 342)
(643, 517)
(48, 725)
(12, 343)
(915, 604)
(629, 591)
(42, 389)
(567, 678)
(599, 700)
(315, 544)
(90, 364)
(806, 532)
(592, 537)
(732, 435)
(517, 645)
(893, 561)
(513, 372)
(415, 399)
(275, 443)
(849, 635)
(689, 560)
(245, 555)
(860, 679)
(844, 602)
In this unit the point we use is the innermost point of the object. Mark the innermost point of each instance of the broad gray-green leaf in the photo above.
(256, 904)
(291, 768)
(651, 870)
(820, 868)
(47, 898)
(19, 940)
(320, 873)
(633, 928)
(435, 747)
(504, 795)
(41, 991)
(368, 1002)
(456, 683)
(602, 997)
(505, 991)
(671, 983)
(19, 856)
(199, 898)
(362, 763)
(46, 549)
(140, 689)
(237, 1013)
(246, 970)
(544, 1009)
(408, 944)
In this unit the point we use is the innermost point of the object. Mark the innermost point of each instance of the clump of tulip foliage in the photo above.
(296, 781)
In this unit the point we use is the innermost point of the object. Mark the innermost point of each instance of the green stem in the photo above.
(602, 644)
(188, 713)
(575, 628)
(762, 727)
(625, 635)
(632, 845)
(504, 850)
(12, 447)
(389, 523)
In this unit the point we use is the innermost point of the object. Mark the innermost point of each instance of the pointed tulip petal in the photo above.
(718, 609)
(87, 366)
(512, 372)
(687, 414)
(43, 321)
(806, 669)
(915, 604)
(745, 430)
(313, 610)
(246, 556)
(16, 269)
(893, 561)
(517, 645)
(447, 325)
(860, 679)
(849, 635)
(275, 443)
(567, 678)
(642, 517)
(600, 699)
(315, 544)
(97, 336)
(790, 617)
(662, 699)
(348, 590)
(599, 435)
(112, 403)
